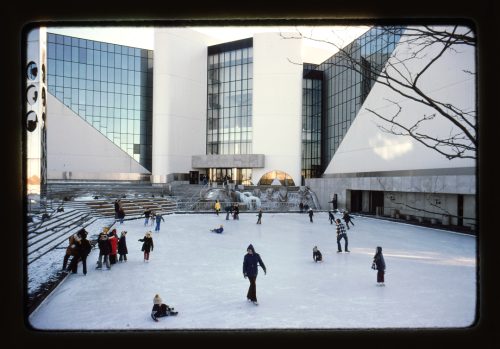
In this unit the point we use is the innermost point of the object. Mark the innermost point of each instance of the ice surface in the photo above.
(431, 278)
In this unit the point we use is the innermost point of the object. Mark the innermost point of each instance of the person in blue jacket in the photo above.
(250, 263)
(218, 230)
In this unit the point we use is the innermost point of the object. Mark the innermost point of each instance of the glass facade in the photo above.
(311, 122)
(229, 100)
(346, 88)
(109, 86)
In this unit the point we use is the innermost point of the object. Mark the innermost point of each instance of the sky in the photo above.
(430, 280)
(143, 37)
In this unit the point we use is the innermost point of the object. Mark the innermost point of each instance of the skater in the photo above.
(104, 250)
(147, 214)
(72, 249)
(311, 214)
(379, 265)
(236, 213)
(229, 210)
(160, 309)
(317, 256)
(147, 245)
(341, 234)
(250, 263)
(218, 230)
(121, 214)
(331, 217)
(217, 207)
(301, 207)
(259, 215)
(347, 219)
(113, 239)
(152, 218)
(122, 246)
(117, 208)
(83, 250)
(158, 218)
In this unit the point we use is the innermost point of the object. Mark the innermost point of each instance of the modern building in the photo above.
(253, 110)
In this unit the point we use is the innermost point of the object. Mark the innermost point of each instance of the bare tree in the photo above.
(427, 44)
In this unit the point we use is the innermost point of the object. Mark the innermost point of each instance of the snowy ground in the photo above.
(431, 279)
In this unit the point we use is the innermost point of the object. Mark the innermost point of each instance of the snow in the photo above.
(431, 279)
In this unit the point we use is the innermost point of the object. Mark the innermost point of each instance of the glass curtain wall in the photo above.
(109, 86)
(346, 89)
(311, 122)
(229, 107)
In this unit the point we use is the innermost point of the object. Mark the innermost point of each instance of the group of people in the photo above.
(151, 217)
(110, 245)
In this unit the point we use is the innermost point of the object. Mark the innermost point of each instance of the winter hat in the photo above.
(250, 247)
(379, 249)
(157, 299)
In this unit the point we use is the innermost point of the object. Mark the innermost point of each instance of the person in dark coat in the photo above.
(117, 208)
(379, 263)
(317, 256)
(84, 249)
(121, 214)
(104, 250)
(122, 246)
(331, 217)
(147, 245)
(236, 213)
(161, 309)
(147, 213)
(250, 263)
(229, 210)
(259, 217)
(341, 234)
(347, 219)
(311, 214)
(301, 207)
(218, 230)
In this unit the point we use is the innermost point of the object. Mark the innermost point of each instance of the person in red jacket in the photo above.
(113, 239)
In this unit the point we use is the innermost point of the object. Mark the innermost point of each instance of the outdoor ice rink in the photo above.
(431, 278)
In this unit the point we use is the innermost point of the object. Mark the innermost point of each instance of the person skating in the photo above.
(259, 215)
(251, 261)
(84, 249)
(113, 239)
(72, 249)
(311, 214)
(161, 309)
(218, 230)
(379, 264)
(317, 256)
(347, 219)
(158, 218)
(331, 217)
(147, 245)
(104, 250)
(236, 213)
(122, 246)
(341, 234)
(147, 214)
(217, 207)
(229, 210)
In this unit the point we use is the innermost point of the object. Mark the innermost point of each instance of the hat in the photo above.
(250, 247)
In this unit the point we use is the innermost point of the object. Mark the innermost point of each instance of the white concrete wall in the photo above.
(179, 100)
(75, 146)
(277, 104)
(366, 148)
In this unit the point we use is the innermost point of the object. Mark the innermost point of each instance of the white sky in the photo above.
(431, 279)
(143, 37)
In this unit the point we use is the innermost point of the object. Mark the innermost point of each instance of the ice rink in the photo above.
(431, 278)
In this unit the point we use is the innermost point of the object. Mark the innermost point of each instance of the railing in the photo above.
(206, 206)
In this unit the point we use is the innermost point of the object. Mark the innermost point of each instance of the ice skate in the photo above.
(255, 302)
(153, 316)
